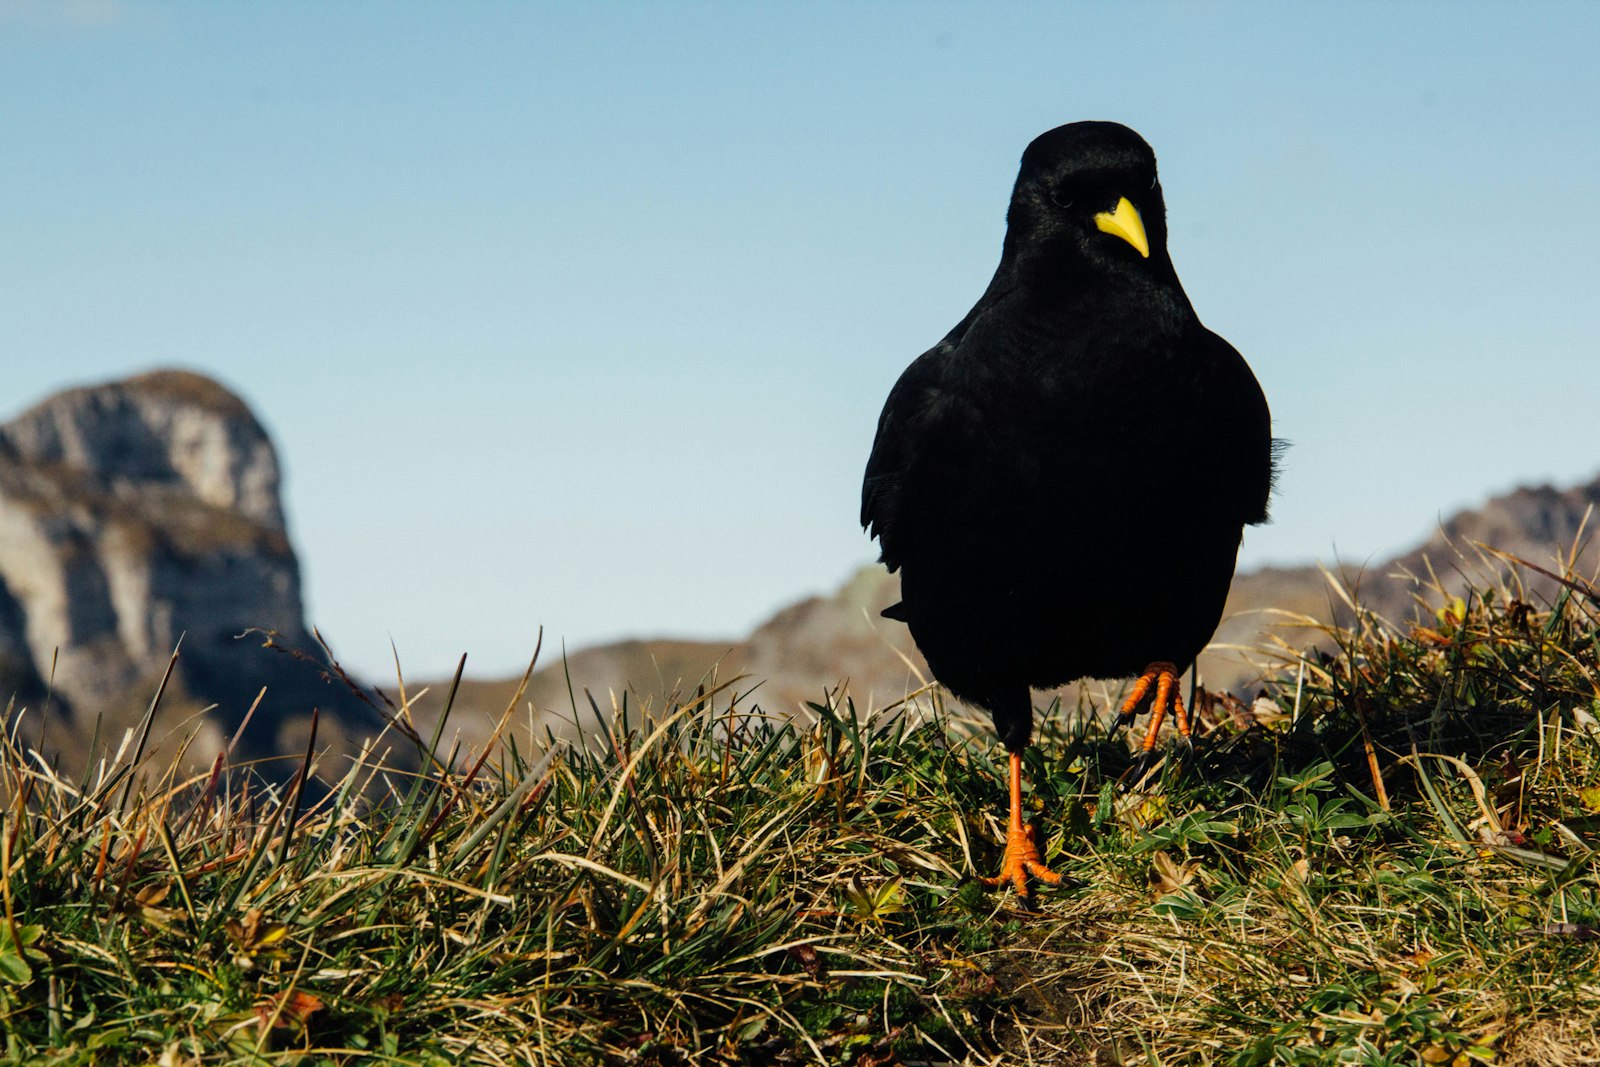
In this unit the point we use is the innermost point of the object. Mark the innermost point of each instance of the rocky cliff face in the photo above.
(134, 515)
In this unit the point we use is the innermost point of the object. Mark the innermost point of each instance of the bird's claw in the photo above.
(1142, 766)
(1022, 859)
(1163, 676)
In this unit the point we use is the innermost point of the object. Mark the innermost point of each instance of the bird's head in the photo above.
(1087, 197)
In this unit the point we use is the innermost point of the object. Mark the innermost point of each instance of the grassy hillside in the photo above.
(1386, 861)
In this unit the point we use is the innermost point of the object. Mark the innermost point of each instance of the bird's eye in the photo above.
(1055, 198)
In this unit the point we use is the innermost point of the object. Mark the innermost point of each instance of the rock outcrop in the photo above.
(134, 516)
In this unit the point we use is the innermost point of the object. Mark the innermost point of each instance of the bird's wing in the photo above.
(908, 423)
(1242, 441)
(908, 439)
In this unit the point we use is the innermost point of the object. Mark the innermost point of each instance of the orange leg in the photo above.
(1022, 856)
(1164, 676)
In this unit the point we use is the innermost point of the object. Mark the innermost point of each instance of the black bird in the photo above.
(1063, 481)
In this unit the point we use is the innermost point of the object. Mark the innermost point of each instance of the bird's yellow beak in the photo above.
(1124, 222)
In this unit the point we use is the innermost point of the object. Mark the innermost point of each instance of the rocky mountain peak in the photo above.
(135, 514)
(167, 428)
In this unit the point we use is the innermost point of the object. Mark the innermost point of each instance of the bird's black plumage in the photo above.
(1062, 481)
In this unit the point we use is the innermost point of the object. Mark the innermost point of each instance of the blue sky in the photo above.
(582, 315)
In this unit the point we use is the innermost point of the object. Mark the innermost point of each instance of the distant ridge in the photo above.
(813, 645)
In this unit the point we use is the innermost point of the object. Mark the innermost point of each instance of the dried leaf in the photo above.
(152, 895)
(1168, 876)
(809, 960)
(257, 938)
(287, 1011)
(1265, 711)
(1428, 637)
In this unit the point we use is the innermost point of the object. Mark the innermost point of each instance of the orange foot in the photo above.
(1022, 859)
(1164, 676)
(1022, 856)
